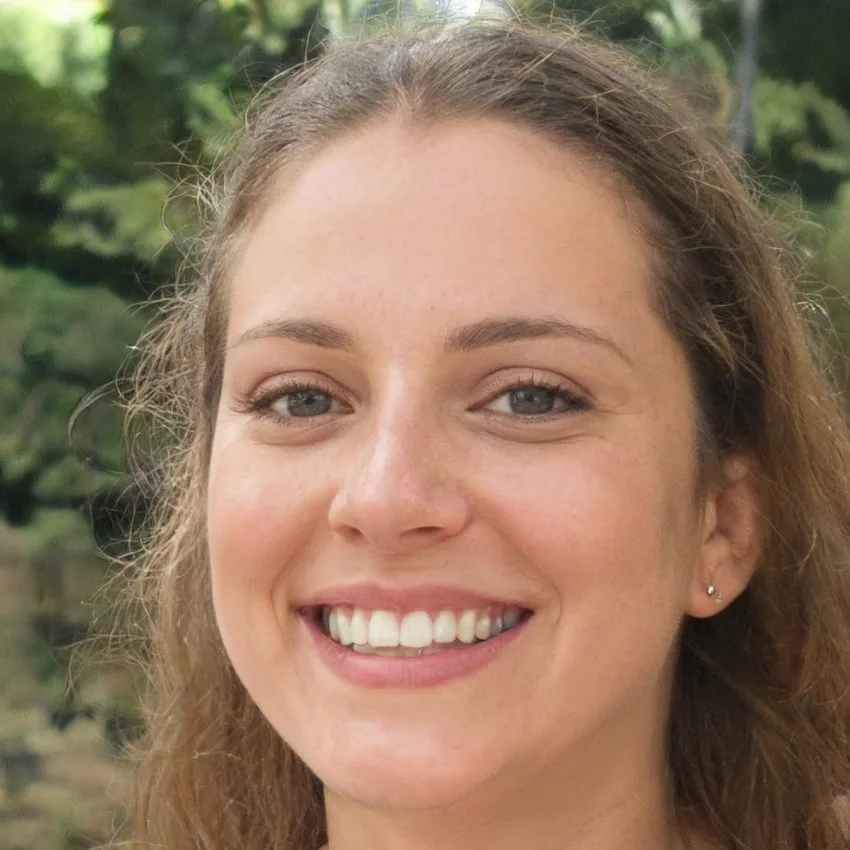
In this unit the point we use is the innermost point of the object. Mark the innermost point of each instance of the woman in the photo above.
(503, 502)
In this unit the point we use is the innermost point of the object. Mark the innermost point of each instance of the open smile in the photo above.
(413, 648)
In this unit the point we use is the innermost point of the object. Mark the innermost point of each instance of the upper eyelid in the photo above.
(284, 384)
(533, 377)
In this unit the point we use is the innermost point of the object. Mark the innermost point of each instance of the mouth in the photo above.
(383, 648)
(412, 634)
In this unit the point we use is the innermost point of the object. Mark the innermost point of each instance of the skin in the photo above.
(421, 473)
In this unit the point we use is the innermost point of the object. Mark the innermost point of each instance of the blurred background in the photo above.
(105, 106)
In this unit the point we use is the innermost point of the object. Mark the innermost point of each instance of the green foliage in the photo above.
(802, 135)
(59, 342)
(115, 220)
(68, 52)
(836, 258)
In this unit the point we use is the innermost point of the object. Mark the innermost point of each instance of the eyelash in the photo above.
(575, 403)
(260, 405)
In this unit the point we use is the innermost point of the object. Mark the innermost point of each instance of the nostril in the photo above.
(350, 532)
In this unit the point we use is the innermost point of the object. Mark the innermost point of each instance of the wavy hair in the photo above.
(758, 744)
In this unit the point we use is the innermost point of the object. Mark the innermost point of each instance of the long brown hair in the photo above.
(758, 744)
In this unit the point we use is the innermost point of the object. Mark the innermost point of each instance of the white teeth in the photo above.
(383, 629)
(381, 633)
(466, 626)
(482, 627)
(359, 626)
(416, 630)
(343, 622)
(445, 627)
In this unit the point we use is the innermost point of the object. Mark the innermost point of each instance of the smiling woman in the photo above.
(502, 501)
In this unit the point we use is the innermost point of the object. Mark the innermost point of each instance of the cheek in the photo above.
(261, 518)
(598, 506)
(608, 528)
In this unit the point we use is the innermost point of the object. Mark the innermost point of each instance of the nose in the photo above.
(401, 492)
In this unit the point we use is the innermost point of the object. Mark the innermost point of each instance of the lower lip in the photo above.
(421, 671)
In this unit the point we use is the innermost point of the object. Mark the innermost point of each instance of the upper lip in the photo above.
(374, 597)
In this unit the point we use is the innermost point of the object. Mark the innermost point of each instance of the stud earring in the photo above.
(712, 591)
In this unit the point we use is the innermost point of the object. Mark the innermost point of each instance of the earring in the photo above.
(712, 591)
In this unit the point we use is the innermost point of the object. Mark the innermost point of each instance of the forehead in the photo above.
(396, 230)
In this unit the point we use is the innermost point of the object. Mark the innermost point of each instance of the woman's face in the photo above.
(446, 391)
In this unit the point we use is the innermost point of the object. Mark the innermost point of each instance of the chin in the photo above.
(405, 777)
(395, 786)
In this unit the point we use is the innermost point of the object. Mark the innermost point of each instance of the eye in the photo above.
(293, 400)
(536, 399)
(308, 402)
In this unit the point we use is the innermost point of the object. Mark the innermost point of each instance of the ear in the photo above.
(731, 539)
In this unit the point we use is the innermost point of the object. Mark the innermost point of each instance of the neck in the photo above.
(548, 808)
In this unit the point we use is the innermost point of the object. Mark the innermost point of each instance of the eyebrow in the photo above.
(515, 328)
(482, 334)
(307, 331)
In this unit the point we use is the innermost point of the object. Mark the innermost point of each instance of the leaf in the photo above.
(67, 51)
(113, 220)
(779, 112)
